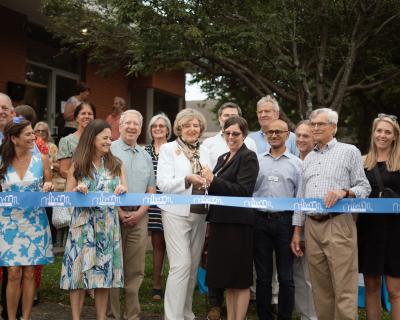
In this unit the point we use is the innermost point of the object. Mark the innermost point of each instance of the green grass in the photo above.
(51, 292)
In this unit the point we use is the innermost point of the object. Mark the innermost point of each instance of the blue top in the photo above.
(138, 166)
(263, 145)
(278, 177)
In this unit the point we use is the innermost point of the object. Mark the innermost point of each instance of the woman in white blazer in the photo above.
(179, 172)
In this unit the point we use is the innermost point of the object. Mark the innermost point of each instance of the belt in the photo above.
(272, 215)
(325, 217)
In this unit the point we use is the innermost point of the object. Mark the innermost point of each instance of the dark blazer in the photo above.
(237, 179)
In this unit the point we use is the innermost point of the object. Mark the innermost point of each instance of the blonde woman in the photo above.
(179, 171)
(378, 235)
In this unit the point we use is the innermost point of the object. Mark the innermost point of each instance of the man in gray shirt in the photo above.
(140, 179)
(279, 176)
(332, 171)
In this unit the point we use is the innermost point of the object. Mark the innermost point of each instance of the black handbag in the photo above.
(383, 192)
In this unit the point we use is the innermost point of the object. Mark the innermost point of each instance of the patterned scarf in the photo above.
(192, 152)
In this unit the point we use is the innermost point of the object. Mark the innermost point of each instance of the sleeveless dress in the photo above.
(25, 237)
(93, 253)
(378, 235)
(154, 212)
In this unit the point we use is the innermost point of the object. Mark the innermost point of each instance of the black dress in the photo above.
(379, 235)
(230, 246)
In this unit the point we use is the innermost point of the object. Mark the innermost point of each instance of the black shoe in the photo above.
(274, 309)
(36, 300)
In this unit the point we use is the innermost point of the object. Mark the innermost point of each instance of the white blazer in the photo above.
(173, 167)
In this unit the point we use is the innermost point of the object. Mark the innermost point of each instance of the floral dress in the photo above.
(25, 238)
(93, 253)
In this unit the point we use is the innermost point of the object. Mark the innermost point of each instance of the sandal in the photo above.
(157, 294)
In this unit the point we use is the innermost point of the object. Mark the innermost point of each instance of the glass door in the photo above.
(64, 88)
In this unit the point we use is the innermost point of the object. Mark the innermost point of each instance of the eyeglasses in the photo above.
(390, 116)
(40, 131)
(188, 125)
(234, 134)
(161, 126)
(276, 132)
(318, 124)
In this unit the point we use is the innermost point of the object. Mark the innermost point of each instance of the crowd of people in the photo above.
(316, 257)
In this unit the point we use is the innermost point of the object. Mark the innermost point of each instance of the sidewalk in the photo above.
(58, 311)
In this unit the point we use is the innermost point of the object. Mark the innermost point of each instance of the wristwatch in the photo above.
(347, 193)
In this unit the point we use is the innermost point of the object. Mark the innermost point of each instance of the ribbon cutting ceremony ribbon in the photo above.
(100, 199)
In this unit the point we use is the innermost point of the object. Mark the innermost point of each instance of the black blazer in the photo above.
(236, 178)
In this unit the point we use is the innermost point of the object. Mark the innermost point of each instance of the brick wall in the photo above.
(105, 88)
(13, 47)
(171, 82)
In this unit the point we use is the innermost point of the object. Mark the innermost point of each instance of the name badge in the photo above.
(273, 178)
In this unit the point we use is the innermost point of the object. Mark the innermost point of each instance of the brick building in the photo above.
(34, 70)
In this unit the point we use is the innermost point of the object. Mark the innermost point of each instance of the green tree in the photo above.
(309, 53)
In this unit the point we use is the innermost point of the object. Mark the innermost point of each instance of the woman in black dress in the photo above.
(378, 235)
(230, 246)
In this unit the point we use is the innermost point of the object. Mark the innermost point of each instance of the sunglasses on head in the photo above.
(390, 116)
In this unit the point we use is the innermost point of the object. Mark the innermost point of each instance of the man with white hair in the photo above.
(268, 111)
(140, 178)
(332, 171)
(6, 112)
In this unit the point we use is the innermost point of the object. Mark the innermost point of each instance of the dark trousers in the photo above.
(215, 297)
(273, 232)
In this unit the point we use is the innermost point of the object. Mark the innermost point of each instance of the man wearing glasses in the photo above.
(332, 171)
(279, 176)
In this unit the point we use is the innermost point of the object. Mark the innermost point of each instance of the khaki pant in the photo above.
(134, 243)
(331, 249)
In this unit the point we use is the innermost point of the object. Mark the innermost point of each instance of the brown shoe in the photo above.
(214, 313)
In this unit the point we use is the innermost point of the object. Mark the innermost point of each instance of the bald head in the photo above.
(277, 133)
(6, 110)
(278, 123)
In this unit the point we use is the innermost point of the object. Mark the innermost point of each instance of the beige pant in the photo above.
(134, 243)
(331, 249)
(184, 238)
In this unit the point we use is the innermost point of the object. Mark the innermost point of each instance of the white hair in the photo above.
(167, 123)
(271, 99)
(333, 116)
(6, 97)
(131, 111)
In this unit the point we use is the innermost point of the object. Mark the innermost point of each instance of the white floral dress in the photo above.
(25, 237)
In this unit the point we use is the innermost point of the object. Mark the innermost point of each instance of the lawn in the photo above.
(50, 292)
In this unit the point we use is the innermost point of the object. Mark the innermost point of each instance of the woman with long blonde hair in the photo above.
(378, 234)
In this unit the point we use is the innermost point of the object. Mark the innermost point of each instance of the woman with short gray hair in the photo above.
(179, 172)
(159, 130)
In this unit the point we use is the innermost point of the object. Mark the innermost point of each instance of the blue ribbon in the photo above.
(99, 199)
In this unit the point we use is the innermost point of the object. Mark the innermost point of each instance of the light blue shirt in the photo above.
(263, 145)
(138, 166)
(278, 177)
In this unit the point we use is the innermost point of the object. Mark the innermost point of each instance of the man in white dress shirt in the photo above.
(216, 144)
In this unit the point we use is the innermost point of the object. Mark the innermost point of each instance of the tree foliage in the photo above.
(310, 53)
